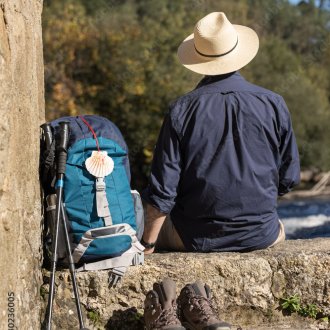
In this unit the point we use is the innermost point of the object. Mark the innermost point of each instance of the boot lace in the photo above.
(167, 317)
(202, 307)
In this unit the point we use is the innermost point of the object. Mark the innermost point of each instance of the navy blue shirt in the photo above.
(225, 152)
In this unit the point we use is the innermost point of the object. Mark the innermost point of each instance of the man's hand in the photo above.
(153, 224)
(149, 251)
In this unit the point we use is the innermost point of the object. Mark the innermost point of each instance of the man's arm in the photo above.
(289, 171)
(163, 182)
(152, 226)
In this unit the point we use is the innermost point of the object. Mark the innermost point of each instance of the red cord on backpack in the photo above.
(91, 129)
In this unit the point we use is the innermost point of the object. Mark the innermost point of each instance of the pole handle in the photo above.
(62, 146)
(48, 134)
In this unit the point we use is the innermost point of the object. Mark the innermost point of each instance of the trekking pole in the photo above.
(48, 135)
(62, 153)
(72, 268)
(62, 156)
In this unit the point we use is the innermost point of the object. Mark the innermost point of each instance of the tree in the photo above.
(118, 59)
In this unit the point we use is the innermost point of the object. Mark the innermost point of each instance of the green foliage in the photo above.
(117, 58)
(311, 310)
(43, 292)
(94, 316)
(293, 304)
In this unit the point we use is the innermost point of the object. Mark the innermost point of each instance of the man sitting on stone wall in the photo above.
(225, 152)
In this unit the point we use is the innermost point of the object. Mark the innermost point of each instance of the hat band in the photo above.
(216, 55)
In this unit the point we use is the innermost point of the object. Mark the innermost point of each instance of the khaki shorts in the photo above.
(169, 239)
(281, 235)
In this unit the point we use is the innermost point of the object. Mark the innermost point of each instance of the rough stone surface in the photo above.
(21, 112)
(247, 287)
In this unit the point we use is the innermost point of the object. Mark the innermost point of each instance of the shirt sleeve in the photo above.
(289, 172)
(165, 170)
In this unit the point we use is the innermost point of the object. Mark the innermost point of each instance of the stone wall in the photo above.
(21, 112)
(247, 287)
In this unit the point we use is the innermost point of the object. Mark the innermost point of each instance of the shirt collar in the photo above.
(223, 78)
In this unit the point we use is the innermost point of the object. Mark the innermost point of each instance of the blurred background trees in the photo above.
(117, 58)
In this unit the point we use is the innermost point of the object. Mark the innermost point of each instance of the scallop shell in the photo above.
(99, 164)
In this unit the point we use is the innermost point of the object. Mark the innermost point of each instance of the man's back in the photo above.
(225, 152)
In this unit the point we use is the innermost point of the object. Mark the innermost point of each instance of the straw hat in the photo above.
(217, 46)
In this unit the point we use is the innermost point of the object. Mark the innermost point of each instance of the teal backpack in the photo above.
(105, 218)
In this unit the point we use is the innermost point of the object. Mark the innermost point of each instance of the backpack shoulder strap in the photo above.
(47, 165)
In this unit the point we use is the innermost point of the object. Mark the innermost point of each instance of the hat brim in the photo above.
(244, 52)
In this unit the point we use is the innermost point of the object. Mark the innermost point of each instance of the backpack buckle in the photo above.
(100, 184)
(115, 276)
(138, 259)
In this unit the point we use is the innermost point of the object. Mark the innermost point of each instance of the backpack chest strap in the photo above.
(102, 204)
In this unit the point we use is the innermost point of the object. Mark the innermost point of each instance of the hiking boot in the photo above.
(196, 312)
(160, 307)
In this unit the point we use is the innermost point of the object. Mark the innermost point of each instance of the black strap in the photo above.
(48, 164)
(217, 55)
